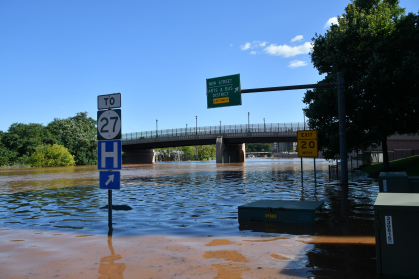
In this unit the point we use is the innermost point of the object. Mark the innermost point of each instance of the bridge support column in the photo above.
(145, 156)
(229, 153)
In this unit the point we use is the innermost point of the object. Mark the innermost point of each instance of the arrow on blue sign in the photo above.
(110, 180)
(109, 155)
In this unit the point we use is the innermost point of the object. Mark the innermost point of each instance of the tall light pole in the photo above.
(186, 132)
(196, 133)
(157, 125)
(248, 121)
(264, 126)
(304, 119)
(220, 126)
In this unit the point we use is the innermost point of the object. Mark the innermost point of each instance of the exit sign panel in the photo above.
(224, 91)
(307, 143)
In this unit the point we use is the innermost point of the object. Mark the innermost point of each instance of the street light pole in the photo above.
(157, 125)
(220, 126)
(186, 129)
(248, 122)
(196, 126)
(264, 126)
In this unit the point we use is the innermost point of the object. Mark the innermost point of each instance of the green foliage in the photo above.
(375, 46)
(51, 156)
(409, 165)
(206, 152)
(78, 134)
(258, 147)
(21, 141)
(188, 151)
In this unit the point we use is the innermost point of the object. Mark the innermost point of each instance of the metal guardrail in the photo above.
(214, 130)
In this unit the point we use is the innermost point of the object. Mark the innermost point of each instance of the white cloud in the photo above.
(253, 45)
(246, 46)
(253, 52)
(231, 44)
(297, 38)
(297, 63)
(333, 20)
(288, 51)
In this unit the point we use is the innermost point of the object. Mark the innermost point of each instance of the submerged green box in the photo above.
(280, 211)
(394, 182)
(396, 217)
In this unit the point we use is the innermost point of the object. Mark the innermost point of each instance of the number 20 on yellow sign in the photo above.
(307, 143)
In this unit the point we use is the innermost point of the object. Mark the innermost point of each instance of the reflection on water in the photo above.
(185, 199)
(200, 199)
(108, 268)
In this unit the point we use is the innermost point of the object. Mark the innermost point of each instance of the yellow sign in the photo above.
(307, 143)
(307, 134)
(221, 100)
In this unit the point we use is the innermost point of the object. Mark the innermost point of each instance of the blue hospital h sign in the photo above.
(109, 154)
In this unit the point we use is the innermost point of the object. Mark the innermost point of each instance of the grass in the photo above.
(409, 165)
(16, 166)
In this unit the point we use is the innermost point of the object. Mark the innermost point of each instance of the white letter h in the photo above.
(113, 154)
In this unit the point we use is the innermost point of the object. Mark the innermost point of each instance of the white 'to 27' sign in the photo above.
(109, 101)
(109, 124)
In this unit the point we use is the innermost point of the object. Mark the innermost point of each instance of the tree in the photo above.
(22, 139)
(375, 46)
(51, 156)
(188, 151)
(78, 134)
(206, 152)
(258, 147)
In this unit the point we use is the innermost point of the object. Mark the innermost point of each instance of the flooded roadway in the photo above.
(193, 204)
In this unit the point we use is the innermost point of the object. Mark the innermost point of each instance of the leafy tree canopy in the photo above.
(22, 140)
(78, 134)
(258, 147)
(51, 156)
(375, 46)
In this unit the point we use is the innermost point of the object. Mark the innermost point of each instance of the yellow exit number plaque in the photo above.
(307, 143)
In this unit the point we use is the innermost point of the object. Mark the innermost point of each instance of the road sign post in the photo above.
(109, 147)
(224, 91)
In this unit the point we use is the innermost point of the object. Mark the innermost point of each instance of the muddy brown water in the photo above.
(188, 205)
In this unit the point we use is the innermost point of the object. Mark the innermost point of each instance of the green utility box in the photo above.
(280, 211)
(396, 217)
(394, 182)
(414, 184)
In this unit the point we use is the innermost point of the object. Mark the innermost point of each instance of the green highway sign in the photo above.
(224, 91)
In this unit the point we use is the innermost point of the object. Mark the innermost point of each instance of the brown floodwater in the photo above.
(183, 223)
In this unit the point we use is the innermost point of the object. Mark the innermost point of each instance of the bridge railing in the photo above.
(216, 130)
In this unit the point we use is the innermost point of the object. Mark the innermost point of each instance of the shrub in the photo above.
(51, 156)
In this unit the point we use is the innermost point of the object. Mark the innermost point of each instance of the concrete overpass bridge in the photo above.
(230, 140)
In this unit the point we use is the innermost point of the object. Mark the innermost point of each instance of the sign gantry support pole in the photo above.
(342, 134)
(226, 91)
(342, 116)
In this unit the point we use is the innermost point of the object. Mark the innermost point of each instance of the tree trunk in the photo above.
(385, 155)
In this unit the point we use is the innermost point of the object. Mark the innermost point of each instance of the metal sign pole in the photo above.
(315, 174)
(301, 170)
(110, 211)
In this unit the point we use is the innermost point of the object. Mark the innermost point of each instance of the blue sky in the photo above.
(58, 56)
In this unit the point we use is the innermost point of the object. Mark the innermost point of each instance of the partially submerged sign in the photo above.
(307, 143)
(224, 91)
